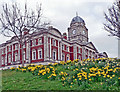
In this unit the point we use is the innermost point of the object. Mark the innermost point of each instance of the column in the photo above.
(50, 47)
(12, 53)
(61, 49)
(58, 51)
(6, 55)
(47, 48)
(19, 52)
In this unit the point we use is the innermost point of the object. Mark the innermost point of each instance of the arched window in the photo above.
(33, 54)
(40, 53)
(79, 57)
(68, 57)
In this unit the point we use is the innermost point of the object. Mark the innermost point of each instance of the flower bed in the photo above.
(105, 71)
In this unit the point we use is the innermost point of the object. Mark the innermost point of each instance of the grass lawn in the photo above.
(17, 80)
(12, 80)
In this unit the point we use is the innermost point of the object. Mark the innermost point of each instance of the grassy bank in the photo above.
(100, 74)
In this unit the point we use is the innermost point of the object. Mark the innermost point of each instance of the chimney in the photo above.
(65, 35)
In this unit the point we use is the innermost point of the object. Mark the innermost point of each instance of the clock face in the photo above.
(74, 31)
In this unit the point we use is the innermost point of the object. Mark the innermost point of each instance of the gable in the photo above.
(90, 45)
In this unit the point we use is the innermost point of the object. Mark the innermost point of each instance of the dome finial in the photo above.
(76, 13)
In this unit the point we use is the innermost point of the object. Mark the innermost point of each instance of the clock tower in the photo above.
(77, 32)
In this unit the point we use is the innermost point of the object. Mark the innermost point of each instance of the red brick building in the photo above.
(48, 44)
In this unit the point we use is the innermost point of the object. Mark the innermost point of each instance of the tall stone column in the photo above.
(12, 53)
(50, 48)
(18, 52)
(58, 51)
(6, 55)
(47, 48)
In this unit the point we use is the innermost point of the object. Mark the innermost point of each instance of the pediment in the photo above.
(90, 45)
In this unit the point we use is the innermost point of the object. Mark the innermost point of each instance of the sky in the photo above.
(61, 12)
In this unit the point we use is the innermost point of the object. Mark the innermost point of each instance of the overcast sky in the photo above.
(61, 12)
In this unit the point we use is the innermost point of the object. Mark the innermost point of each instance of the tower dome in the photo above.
(77, 19)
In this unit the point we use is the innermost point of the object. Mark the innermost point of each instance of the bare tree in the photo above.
(113, 20)
(15, 21)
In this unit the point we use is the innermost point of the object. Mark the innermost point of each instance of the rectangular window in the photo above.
(2, 60)
(9, 48)
(67, 49)
(16, 46)
(3, 51)
(54, 42)
(63, 58)
(23, 45)
(67, 58)
(33, 42)
(78, 50)
(40, 54)
(9, 58)
(39, 41)
(24, 55)
(33, 54)
(54, 55)
(62, 47)
(16, 56)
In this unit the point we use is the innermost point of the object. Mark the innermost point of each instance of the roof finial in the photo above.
(76, 14)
